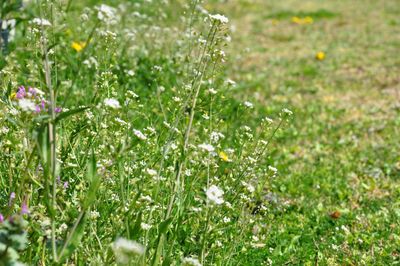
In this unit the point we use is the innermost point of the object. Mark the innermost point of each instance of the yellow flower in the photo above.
(320, 56)
(78, 46)
(13, 95)
(296, 20)
(302, 21)
(308, 20)
(224, 157)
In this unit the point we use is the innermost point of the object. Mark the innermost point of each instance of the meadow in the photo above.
(188, 132)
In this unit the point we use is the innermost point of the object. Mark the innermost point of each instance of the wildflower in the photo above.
(190, 261)
(21, 93)
(41, 22)
(212, 91)
(216, 136)
(145, 226)
(105, 13)
(287, 111)
(231, 82)
(214, 194)
(268, 120)
(273, 169)
(125, 249)
(12, 197)
(113, 103)
(320, 56)
(308, 20)
(206, 147)
(94, 214)
(24, 208)
(1, 218)
(224, 157)
(302, 21)
(220, 18)
(139, 134)
(248, 104)
(78, 46)
(120, 121)
(151, 172)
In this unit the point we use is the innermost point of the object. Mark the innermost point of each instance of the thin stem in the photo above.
(52, 139)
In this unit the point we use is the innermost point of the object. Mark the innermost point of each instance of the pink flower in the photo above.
(24, 208)
(21, 93)
(12, 197)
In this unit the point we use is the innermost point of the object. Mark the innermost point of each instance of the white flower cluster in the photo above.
(139, 134)
(125, 249)
(27, 105)
(41, 22)
(220, 18)
(207, 147)
(106, 14)
(190, 261)
(112, 103)
(215, 195)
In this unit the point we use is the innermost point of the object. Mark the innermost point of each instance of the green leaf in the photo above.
(135, 230)
(64, 115)
(163, 227)
(94, 180)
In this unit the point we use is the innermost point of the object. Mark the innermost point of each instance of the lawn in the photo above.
(163, 133)
(337, 195)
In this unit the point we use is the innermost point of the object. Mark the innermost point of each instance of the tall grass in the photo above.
(123, 142)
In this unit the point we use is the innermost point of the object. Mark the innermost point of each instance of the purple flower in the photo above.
(32, 91)
(65, 185)
(21, 93)
(24, 208)
(1, 218)
(58, 110)
(37, 109)
(12, 197)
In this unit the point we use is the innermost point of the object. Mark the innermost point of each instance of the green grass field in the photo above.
(341, 152)
(161, 152)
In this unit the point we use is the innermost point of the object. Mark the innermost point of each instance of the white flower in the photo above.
(120, 121)
(248, 104)
(273, 169)
(214, 194)
(268, 120)
(106, 13)
(216, 136)
(145, 226)
(231, 82)
(206, 147)
(125, 249)
(212, 91)
(190, 261)
(94, 214)
(287, 111)
(151, 172)
(41, 22)
(226, 219)
(139, 134)
(221, 18)
(27, 105)
(112, 103)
